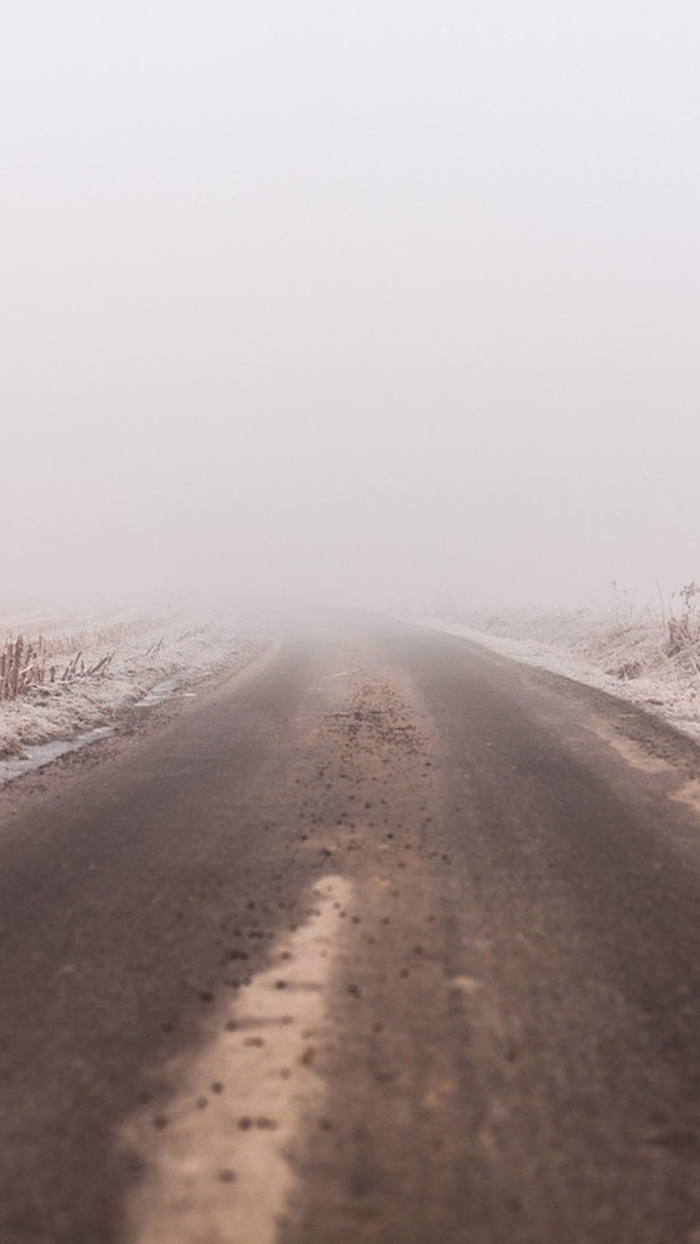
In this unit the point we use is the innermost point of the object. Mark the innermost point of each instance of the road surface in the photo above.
(386, 939)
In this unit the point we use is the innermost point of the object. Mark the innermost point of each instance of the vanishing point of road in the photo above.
(382, 940)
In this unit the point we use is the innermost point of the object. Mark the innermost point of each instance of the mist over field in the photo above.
(364, 302)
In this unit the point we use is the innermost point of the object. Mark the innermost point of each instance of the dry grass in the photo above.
(684, 630)
(22, 665)
(59, 656)
(25, 664)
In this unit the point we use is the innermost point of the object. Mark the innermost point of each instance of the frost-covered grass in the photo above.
(109, 658)
(651, 657)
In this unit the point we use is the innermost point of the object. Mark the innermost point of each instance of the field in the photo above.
(67, 671)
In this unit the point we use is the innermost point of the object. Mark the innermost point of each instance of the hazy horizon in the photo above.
(358, 301)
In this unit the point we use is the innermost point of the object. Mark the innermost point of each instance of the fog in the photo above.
(355, 300)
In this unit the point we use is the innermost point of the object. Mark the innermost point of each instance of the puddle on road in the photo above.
(39, 755)
(216, 1161)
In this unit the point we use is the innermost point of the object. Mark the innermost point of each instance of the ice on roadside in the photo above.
(626, 656)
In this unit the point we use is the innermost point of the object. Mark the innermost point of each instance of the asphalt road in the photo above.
(386, 939)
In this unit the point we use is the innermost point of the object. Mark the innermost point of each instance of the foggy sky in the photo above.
(353, 299)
